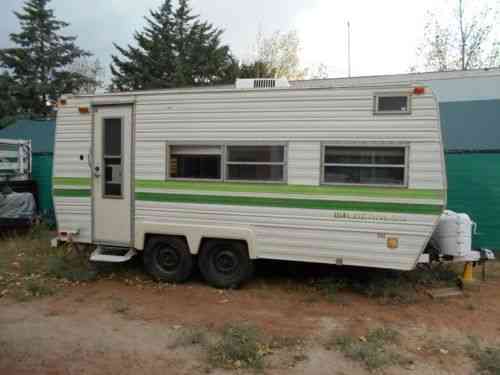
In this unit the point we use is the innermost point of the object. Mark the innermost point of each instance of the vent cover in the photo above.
(262, 83)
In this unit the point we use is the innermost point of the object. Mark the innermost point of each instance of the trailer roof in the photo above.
(343, 82)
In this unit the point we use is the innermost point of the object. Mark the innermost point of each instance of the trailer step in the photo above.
(445, 293)
(112, 254)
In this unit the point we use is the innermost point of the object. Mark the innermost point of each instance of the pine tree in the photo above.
(39, 60)
(151, 64)
(8, 101)
(175, 49)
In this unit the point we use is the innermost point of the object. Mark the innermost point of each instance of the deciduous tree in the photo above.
(467, 42)
(280, 52)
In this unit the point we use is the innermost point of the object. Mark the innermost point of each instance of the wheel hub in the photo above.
(168, 258)
(226, 262)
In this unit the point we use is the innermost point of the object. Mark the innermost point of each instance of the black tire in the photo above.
(225, 264)
(168, 259)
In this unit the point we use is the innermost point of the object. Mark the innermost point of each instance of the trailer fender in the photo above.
(194, 234)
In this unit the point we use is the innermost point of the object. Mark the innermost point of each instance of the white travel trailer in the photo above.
(347, 176)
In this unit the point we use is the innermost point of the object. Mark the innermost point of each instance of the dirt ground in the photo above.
(135, 326)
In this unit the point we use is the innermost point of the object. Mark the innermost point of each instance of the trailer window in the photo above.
(364, 165)
(255, 163)
(195, 162)
(392, 104)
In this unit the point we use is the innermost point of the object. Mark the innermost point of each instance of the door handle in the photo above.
(97, 171)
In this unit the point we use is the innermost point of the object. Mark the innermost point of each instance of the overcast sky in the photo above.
(385, 33)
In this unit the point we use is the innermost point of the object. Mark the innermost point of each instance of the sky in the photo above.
(385, 34)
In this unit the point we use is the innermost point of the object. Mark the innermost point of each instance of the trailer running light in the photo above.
(419, 90)
(392, 243)
(84, 110)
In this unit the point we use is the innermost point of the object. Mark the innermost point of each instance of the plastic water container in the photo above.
(453, 234)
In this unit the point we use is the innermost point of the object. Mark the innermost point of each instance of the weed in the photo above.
(390, 287)
(70, 266)
(284, 342)
(371, 350)
(381, 336)
(432, 275)
(240, 346)
(190, 337)
(330, 286)
(392, 291)
(486, 358)
(39, 289)
(119, 306)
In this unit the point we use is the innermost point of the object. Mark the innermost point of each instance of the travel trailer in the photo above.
(223, 176)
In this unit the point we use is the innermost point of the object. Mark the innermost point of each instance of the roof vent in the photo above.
(262, 83)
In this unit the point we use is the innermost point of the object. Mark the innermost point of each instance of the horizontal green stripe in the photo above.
(371, 192)
(71, 181)
(72, 193)
(291, 203)
(271, 202)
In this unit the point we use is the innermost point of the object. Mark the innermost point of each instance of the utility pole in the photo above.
(349, 48)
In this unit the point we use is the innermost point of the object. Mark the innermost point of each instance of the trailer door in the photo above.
(112, 176)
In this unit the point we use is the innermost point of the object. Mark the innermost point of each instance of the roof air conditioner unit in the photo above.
(262, 83)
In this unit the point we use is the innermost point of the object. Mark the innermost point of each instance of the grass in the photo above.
(373, 350)
(487, 358)
(30, 268)
(389, 287)
(38, 288)
(71, 266)
(189, 337)
(329, 287)
(241, 346)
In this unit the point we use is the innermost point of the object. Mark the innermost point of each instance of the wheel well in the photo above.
(150, 236)
(204, 240)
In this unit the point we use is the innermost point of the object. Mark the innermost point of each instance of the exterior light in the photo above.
(419, 90)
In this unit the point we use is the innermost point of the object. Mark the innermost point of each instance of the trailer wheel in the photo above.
(168, 259)
(225, 264)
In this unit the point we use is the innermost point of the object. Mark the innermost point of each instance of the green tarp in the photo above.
(42, 174)
(474, 188)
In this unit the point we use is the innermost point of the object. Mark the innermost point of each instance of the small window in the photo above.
(196, 162)
(255, 163)
(392, 104)
(364, 165)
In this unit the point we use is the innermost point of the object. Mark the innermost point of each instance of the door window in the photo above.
(112, 155)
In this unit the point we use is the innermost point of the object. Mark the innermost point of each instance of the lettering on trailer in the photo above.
(367, 216)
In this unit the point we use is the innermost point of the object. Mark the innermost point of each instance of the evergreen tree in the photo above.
(38, 62)
(8, 102)
(175, 49)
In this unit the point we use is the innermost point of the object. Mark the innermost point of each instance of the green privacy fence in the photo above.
(474, 188)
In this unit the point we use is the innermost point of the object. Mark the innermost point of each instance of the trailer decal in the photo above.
(424, 209)
(237, 187)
